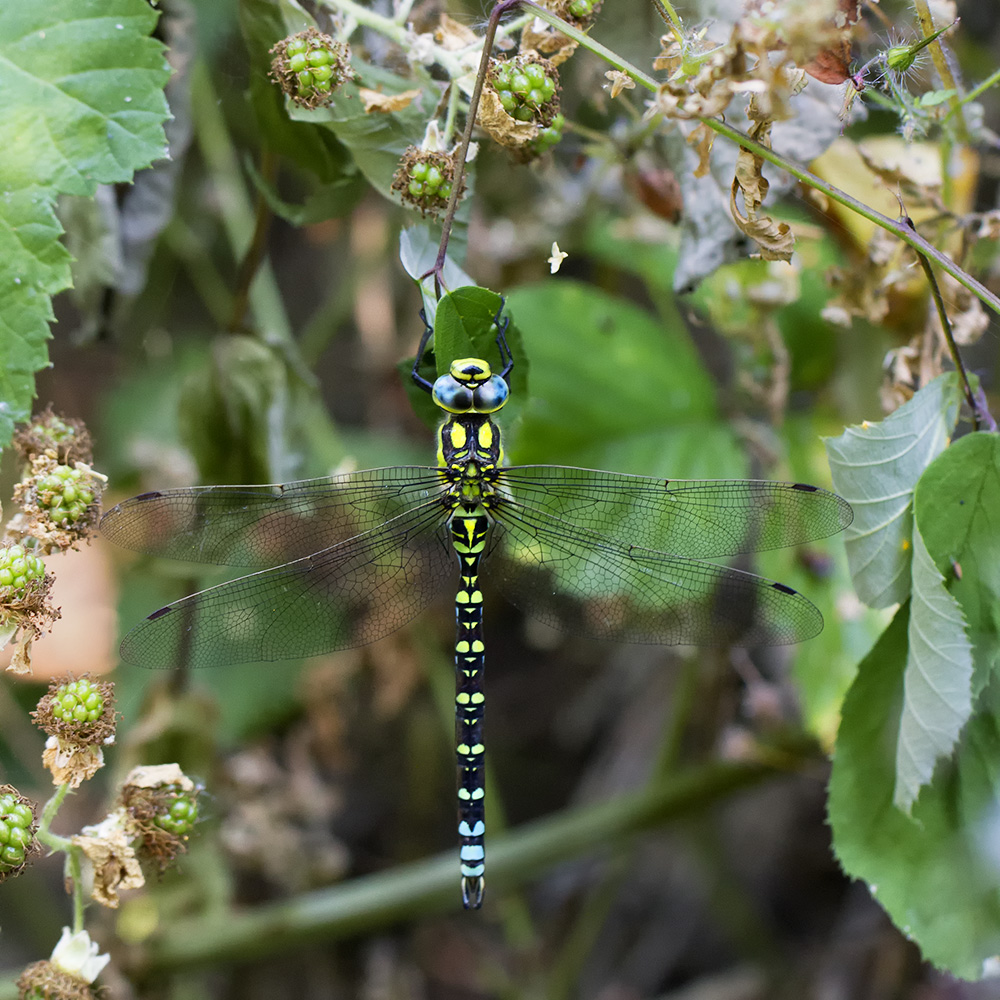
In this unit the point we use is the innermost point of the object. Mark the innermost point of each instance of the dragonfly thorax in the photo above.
(470, 387)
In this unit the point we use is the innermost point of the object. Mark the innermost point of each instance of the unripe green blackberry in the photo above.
(65, 494)
(424, 179)
(78, 701)
(527, 89)
(180, 816)
(548, 137)
(17, 822)
(19, 567)
(309, 66)
(65, 439)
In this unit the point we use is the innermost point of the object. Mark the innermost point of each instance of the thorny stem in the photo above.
(470, 122)
(981, 418)
(669, 15)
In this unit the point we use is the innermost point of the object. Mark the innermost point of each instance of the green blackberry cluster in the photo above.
(65, 494)
(78, 701)
(424, 179)
(16, 830)
(180, 815)
(18, 568)
(527, 89)
(48, 433)
(310, 66)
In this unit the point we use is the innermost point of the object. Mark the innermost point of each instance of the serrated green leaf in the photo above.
(937, 684)
(957, 505)
(83, 104)
(937, 873)
(875, 467)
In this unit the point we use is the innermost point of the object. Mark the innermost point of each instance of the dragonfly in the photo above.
(345, 560)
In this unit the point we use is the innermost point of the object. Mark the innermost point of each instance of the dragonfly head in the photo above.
(470, 387)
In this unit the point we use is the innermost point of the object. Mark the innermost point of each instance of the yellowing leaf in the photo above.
(373, 100)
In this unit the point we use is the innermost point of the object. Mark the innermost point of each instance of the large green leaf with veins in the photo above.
(937, 871)
(875, 468)
(613, 388)
(83, 105)
(937, 683)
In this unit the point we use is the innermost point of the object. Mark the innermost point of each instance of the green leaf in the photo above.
(957, 506)
(463, 327)
(234, 411)
(82, 105)
(875, 467)
(937, 874)
(611, 388)
(937, 685)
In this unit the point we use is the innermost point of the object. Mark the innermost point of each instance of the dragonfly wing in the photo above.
(580, 582)
(347, 595)
(266, 525)
(699, 519)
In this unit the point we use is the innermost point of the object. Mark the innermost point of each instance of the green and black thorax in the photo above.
(470, 446)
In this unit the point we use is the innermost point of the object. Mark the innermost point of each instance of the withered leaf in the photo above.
(374, 100)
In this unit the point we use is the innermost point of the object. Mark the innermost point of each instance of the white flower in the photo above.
(77, 956)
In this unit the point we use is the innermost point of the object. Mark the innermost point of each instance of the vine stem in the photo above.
(981, 417)
(419, 888)
(54, 842)
(470, 123)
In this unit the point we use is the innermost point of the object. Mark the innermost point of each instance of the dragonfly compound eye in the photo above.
(451, 395)
(490, 397)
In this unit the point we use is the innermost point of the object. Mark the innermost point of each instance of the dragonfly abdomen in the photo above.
(469, 533)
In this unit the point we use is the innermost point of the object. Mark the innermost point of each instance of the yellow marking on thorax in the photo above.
(458, 435)
(486, 435)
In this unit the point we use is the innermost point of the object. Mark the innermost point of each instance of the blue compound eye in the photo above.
(491, 396)
(451, 395)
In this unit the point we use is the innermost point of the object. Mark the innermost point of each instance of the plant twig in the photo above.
(431, 885)
(981, 417)
(456, 190)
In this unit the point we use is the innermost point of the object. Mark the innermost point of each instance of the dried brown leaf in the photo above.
(775, 239)
(374, 100)
(501, 126)
(452, 35)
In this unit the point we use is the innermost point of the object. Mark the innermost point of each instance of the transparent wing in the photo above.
(699, 519)
(265, 525)
(347, 595)
(579, 581)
